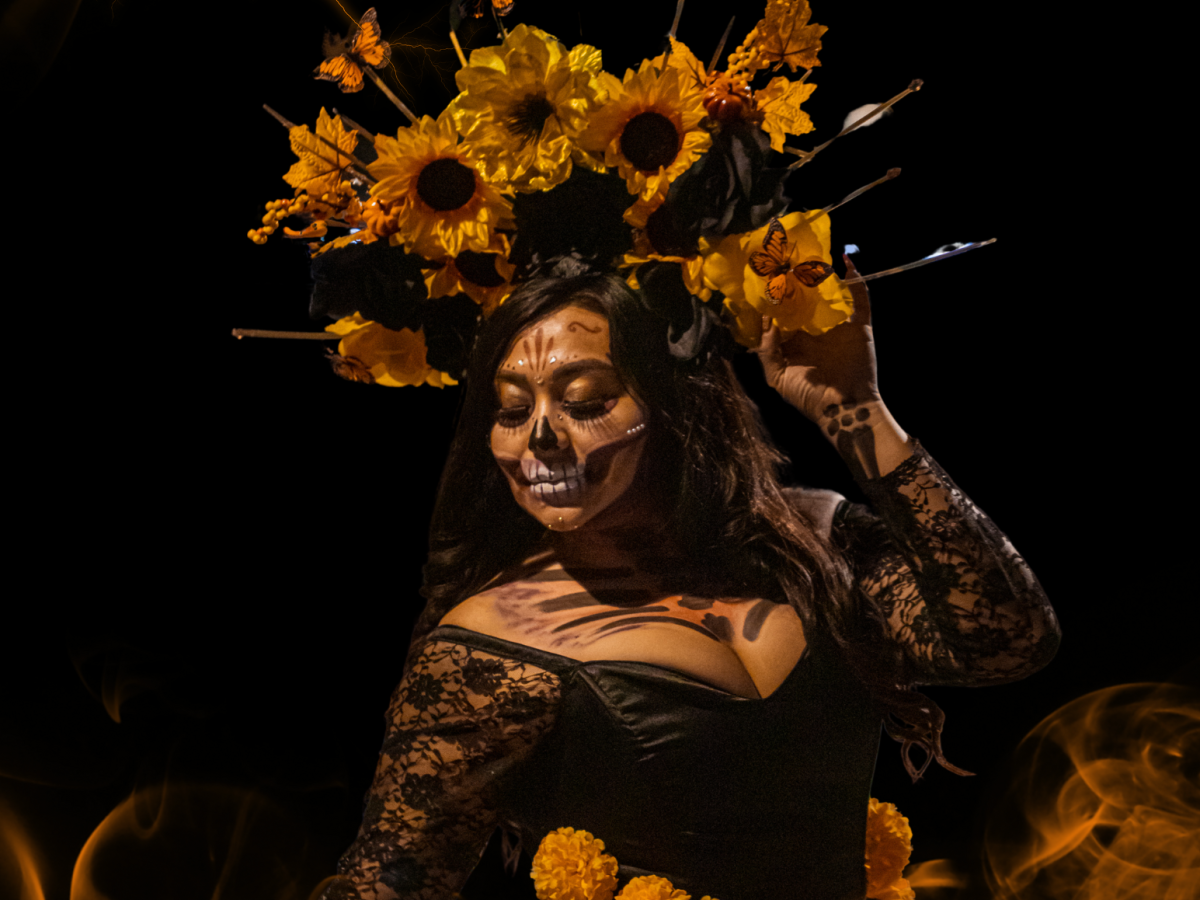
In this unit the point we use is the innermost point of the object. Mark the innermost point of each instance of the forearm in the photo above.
(866, 436)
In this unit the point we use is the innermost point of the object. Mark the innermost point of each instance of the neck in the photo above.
(642, 548)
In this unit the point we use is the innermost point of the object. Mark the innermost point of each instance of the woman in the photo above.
(632, 629)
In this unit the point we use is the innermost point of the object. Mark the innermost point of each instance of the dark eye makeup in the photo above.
(579, 410)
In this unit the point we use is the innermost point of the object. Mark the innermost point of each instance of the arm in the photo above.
(957, 598)
(456, 718)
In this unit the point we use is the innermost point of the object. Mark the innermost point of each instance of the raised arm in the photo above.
(456, 715)
(958, 598)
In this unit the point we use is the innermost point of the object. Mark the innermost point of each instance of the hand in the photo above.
(817, 374)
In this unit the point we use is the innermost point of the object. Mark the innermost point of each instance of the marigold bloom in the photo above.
(572, 865)
(651, 887)
(889, 846)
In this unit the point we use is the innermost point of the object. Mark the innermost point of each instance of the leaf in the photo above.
(342, 241)
(321, 166)
(689, 66)
(786, 37)
(780, 103)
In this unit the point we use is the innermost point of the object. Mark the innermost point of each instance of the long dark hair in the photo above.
(728, 512)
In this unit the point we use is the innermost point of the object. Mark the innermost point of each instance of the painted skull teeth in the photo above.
(556, 488)
(536, 472)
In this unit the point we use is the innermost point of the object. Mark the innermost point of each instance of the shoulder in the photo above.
(815, 504)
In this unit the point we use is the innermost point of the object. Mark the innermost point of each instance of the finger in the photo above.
(770, 353)
(862, 296)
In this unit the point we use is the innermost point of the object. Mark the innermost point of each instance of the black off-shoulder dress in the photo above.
(736, 798)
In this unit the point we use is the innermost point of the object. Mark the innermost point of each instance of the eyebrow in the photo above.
(562, 373)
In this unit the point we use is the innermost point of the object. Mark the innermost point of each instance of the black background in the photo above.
(225, 540)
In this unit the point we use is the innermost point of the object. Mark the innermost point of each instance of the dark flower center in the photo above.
(650, 141)
(666, 234)
(526, 119)
(478, 268)
(446, 184)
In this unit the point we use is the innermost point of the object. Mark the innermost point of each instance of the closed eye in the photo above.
(585, 409)
(512, 416)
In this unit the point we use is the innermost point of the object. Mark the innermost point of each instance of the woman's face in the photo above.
(568, 435)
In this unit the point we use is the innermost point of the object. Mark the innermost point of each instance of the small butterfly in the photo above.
(773, 263)
(476, 8)
(345, 57)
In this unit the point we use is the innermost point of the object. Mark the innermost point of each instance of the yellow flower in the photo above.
(650, 128)
(811, 309)
(572, 865)
(526, 102)
(651, 887)
(889, 846)
(446, 205)
(484, 277)
(391, 358)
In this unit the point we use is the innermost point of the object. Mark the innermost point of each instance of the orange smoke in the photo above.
(1104, 803)
(18, 868)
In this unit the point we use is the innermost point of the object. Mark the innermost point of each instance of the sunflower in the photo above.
(526, 102)
(369, 352)
(650, 128)
(811, 309)
(445, 203)
(484, 277)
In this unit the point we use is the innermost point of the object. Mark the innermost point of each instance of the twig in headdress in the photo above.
(458, 48)
(671, 33)
(937, 255)
(716, 58)
(349, 121)
(891, 173)
(499, 24)
(397, 102)
(806, 156)
(240, 333)
(361, 171)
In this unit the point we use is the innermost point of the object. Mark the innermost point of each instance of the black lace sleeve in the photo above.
(958, 598)
(456, 722)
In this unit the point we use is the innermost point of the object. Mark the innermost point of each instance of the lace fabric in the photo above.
(959, 600)
(961, 603)
(458, 719)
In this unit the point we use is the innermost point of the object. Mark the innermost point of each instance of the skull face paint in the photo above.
(568, 435)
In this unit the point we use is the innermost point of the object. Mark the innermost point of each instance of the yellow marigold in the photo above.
(446, 205)
(391, 358)
(889, 846)
(526, 102)
(811, 309)
(650, 127)
(652, 887)
(572, 865)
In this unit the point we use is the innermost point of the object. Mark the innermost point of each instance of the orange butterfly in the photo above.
(345, 57)
(774, 263)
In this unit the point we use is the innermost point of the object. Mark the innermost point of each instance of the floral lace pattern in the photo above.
(455, 720)
(958, 597)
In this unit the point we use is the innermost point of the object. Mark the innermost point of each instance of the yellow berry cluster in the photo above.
(277, 210)
(341, 203)
(746, 60)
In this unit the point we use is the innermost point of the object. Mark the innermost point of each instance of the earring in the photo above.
(636, 428)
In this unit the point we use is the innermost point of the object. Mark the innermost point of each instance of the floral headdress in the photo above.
(672, 175)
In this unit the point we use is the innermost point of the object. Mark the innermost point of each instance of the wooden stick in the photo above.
(671, 33)
(891, 173)
(716, 57)
(913, 86)
(920, 262)
(388, 93)
(458, 48)
(499, 24)
(240, 333)
(354, 159)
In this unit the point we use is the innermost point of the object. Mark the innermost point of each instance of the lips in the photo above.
(558, 485)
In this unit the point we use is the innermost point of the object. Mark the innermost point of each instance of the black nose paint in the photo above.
(543, 437)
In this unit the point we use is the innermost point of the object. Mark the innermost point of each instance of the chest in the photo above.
(744, 647)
